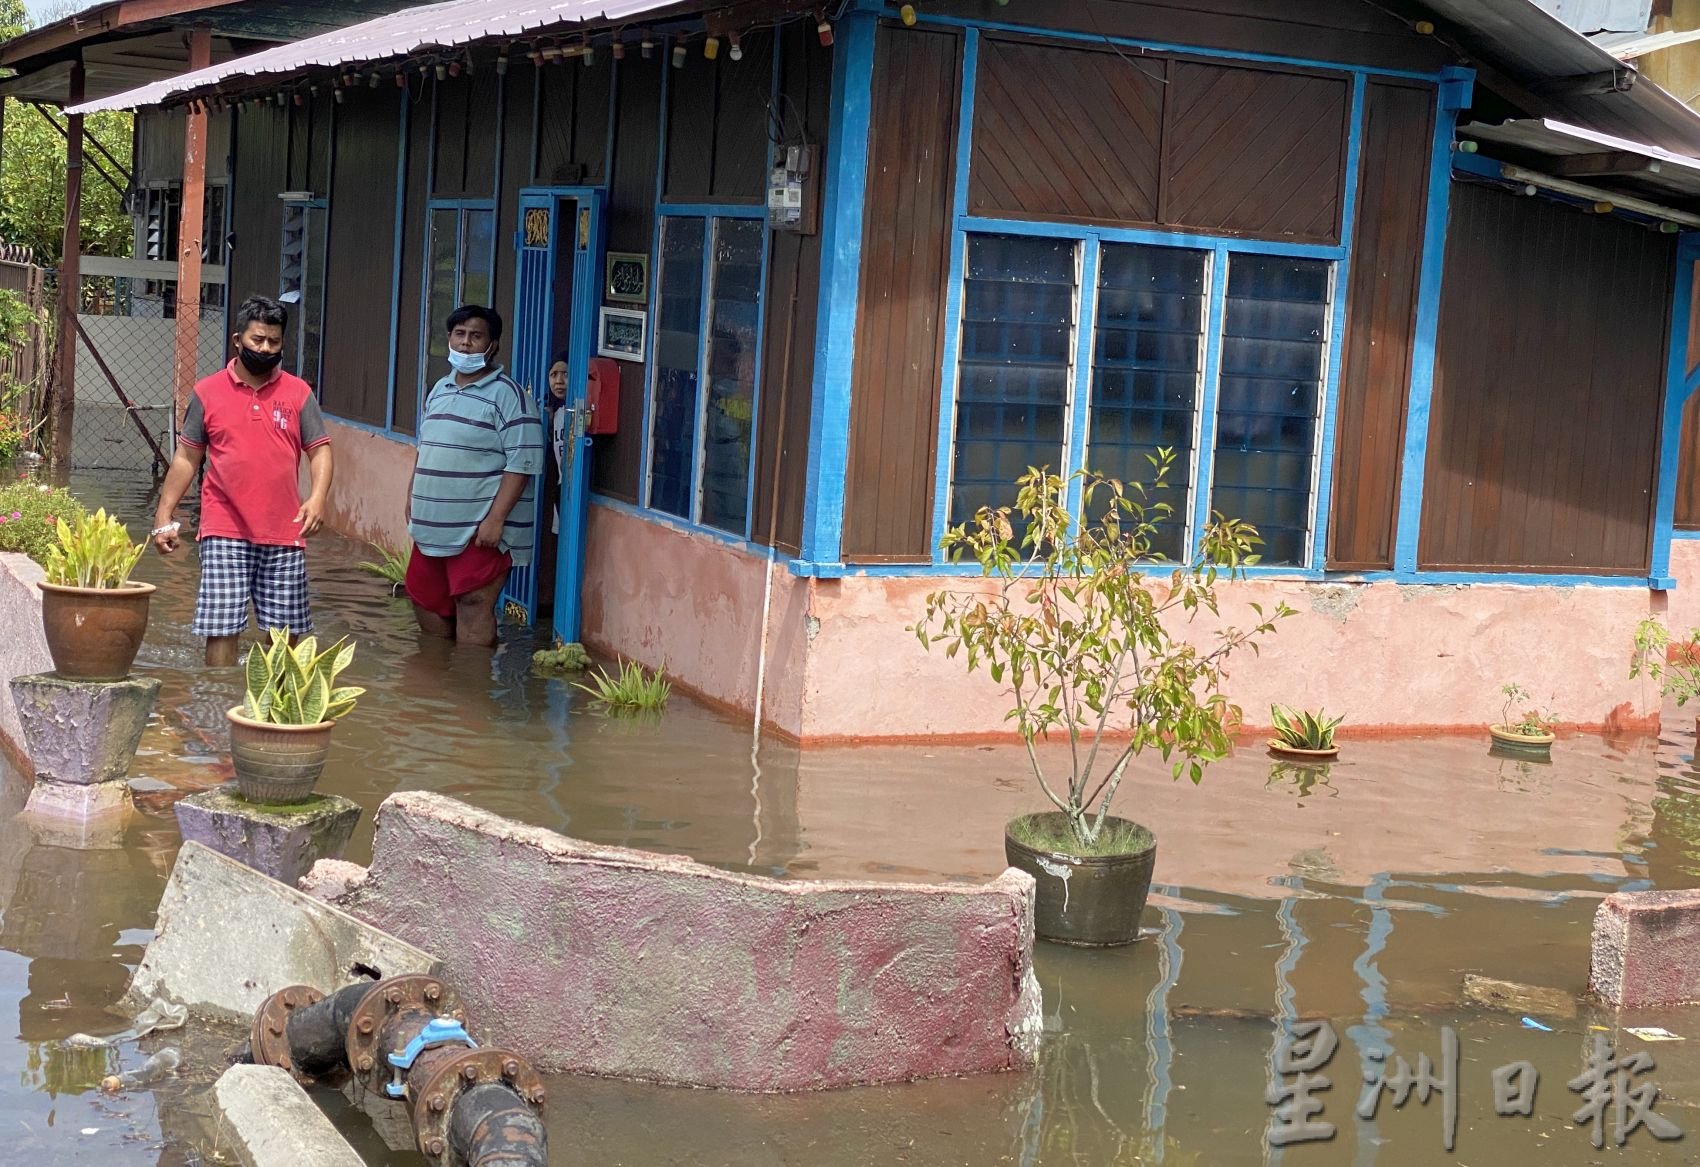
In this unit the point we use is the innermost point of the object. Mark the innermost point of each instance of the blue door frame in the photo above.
(538, 245)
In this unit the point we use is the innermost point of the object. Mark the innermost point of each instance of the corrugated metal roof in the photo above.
(1528, 46)
(1674, 174)
(1590, 16)
(447, 25)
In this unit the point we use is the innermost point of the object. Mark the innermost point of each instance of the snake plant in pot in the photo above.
(92, 613)
(280, 736)
(1082, 623)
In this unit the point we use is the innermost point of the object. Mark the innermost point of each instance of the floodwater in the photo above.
(1360, 894)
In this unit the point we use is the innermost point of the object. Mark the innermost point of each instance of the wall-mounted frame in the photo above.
(620, 333)
(628, 277)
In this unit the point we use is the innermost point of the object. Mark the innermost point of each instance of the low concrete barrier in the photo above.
(600, 960)
(266, 1120)
(1646, 948)
(23, 647)
(227, 937)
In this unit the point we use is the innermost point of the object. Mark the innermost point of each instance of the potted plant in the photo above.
(1674, 666)
(92, 613)
(1300, 734)
(1068, 620)
(280, 735)
(1530, 731)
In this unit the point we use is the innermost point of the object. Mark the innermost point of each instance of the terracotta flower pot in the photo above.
(94, 634)
(1534, 743)
(1284, 751)
(277, 764)
(1089, 901)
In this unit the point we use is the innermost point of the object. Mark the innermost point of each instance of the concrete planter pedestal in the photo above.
(280, 841)
(81, 737)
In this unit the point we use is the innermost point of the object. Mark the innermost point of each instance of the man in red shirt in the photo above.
(250, 423)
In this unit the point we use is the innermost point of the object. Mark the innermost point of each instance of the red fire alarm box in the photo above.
(602, 396)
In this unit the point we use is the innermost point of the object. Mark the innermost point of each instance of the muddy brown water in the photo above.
(1360, 893)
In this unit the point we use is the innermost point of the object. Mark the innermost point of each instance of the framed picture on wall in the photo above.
(628, 277)
(620, 333)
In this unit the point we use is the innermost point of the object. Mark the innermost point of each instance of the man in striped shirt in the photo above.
(471, 509)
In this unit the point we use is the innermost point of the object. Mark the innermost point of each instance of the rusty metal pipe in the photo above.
(472, 1106)
(494, 1127)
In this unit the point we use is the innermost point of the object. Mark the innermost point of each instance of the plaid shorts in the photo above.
(235, 571)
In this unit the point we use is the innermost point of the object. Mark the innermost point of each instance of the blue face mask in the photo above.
(467, 362)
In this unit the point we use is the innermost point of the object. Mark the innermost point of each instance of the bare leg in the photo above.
(432, 624)
(475, 614)
(221, 651)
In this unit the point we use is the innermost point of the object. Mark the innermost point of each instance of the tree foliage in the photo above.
(1087, 644)
(32, 173)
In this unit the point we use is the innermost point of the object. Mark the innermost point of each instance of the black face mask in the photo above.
(258, 363)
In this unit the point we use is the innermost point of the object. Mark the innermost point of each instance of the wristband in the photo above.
(169, 527)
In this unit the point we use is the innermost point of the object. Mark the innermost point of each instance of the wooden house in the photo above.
(1406, 284)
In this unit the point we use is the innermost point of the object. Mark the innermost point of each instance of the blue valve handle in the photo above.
(438, 1031)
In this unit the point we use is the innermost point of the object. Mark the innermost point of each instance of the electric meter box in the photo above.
(793, 191)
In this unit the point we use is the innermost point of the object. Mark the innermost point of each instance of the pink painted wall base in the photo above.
(843, 665)
(600, 960)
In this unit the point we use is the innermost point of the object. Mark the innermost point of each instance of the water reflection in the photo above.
(1358, 891)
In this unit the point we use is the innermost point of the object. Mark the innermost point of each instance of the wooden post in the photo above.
(70, 282)
(191, 228)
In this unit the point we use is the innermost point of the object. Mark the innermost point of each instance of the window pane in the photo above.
(477, 253)
(312, 306)
(732, 344)
(1018, 298)
(1146, 365)
(1273, 340)
(445, 239)
(678, 335)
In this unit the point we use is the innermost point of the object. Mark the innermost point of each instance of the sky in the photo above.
(38, 8)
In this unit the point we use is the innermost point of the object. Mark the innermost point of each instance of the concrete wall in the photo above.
(842, 664)
(600, 960)
(369, 488)
(23, 645)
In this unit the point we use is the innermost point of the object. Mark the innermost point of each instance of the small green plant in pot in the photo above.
(1079, 622)
(94, 616)
(633, 691)
(280, 736)
(1301, 734)
(1522, 726)
(390, 567)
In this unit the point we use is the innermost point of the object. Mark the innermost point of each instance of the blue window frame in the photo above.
(706, 344)
(461, 246)
(1231, 378)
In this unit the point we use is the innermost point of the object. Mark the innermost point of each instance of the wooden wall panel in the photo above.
(256, 215)
(1350, 33)
(793, 291)
(1543, 435)
(517, 137)
(360, 257)
(572, 124)
(465, 164)
(1255, 152)
(894, 411)
(413, 248)
(1688, 465)
(1068, 133)
(1077, 133)
(630, 213)
(1381, 313)
(717, 126)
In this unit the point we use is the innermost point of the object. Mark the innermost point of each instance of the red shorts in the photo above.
(435, 583)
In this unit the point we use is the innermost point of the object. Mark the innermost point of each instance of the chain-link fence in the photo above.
(126, 338)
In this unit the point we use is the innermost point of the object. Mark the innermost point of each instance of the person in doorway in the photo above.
(471, 504)
(250, 424)
(559, 415)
